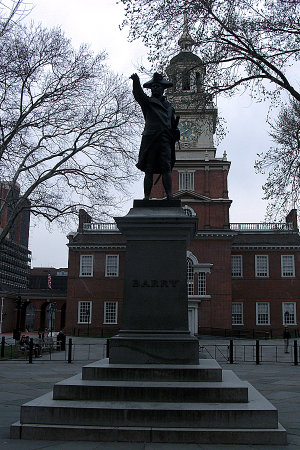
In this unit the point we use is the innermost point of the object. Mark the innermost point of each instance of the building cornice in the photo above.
(96, 246)
(202, 164)
(215, 234)
(236, 247)
(195, 197)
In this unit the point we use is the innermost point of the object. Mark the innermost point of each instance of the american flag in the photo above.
(49, 281)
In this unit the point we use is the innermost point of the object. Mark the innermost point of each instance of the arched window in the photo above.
(198, 81)
(190, 276)
(174, 81)
(30, 316)
(186, 81)
(188, 211)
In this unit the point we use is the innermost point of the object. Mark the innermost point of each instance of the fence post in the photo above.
(30, 350)
(107, 348)
(70, 351)
(231, 351)
(257, 351)
(295, 353)
(2, 346)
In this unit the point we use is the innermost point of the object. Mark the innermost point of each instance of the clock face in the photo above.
(187, 131)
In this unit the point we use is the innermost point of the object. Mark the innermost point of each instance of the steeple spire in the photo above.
(186, 41)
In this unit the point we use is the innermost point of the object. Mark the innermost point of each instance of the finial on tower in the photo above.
(186, 41)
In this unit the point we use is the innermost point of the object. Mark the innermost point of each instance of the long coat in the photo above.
(159, 118)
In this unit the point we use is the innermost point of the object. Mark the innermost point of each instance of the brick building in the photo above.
(26, 301)
(14, 254)
(243, 279)
(37, 307)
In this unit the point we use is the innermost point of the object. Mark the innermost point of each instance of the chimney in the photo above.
(292, 218)
(84, 217)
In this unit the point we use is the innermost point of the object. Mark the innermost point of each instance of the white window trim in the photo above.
(78, 312)
(282, 274)
(242, 322)
(269, 315)
(81, 265)
(106, 266)
(104, 312)
(295, 314)
(241, 262)
(190, 281)
(204, 282)
(268, 273)
(187, 208)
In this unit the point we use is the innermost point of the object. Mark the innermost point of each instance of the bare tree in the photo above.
(11, 13)
(282, 162)
(243, 43)
(67, 125)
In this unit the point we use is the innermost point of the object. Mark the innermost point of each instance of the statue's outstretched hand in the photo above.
(134, 77)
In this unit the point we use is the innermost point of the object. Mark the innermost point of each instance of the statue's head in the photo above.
(157, 84)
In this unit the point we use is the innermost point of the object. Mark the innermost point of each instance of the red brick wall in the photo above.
(211, 183)
(96, 289)
(215, 312)
(274, 289)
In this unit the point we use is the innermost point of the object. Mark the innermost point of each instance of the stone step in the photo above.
(206, 370)
(258, 413)
(231, 390)
(149, 434)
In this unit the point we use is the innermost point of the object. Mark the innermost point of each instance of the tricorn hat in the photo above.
(158, 79)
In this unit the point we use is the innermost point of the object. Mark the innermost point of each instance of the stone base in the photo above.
(153, 348)
(152, 403)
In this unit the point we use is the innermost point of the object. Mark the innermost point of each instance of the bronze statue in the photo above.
(157, 150)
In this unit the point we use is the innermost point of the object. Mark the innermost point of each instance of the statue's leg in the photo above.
(167, 183)
(148, 183)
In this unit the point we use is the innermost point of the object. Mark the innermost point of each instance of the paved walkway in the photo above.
(21, 382)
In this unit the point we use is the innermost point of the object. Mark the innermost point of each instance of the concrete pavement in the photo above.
(21, 382)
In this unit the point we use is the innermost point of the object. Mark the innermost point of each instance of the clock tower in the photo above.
(200, 181)
(199, 177)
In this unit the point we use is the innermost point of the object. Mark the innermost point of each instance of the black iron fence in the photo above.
(53, 350)
(247, 333)
(257, 352)
(231, 352)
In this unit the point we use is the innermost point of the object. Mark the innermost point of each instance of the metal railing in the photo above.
(55, 351)
(262, 226)
(100, 226)
(252, 353)
(254, 227)
(231, 352)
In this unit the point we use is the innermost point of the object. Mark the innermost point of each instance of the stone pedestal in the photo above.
(153, 388)
(155, 311)
(152, 403)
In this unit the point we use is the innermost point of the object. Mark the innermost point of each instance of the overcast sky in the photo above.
(96, 22)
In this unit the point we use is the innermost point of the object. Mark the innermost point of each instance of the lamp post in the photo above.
(52, 311)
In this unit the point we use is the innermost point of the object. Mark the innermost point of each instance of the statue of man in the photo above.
(157, 150)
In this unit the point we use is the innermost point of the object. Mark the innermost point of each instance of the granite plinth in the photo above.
(155, 305)
(159, 348)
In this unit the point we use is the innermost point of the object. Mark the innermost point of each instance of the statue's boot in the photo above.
(167, 183)
(148, 183)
